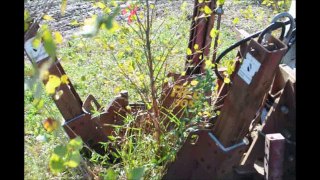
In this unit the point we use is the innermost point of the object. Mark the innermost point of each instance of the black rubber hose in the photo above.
(273, 26)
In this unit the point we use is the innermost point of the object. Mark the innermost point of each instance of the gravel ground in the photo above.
(79, 10)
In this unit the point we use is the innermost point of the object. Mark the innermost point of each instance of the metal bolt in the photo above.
(284, 109)
(246, 141)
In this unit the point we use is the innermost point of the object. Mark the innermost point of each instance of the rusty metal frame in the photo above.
(204, 154)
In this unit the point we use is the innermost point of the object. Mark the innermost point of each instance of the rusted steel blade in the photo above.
(201, 157)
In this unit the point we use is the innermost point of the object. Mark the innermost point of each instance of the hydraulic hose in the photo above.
(271, 27)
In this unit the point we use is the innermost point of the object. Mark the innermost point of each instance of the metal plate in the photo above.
(36, 54)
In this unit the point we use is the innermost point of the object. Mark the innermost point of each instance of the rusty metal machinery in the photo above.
(253, 137)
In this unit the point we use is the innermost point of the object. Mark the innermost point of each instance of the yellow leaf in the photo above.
(115, 27)
(184, 84)
(200, 1)
(74, 23)
(208, 64)
(111, 47)
(64, 79)
(52, 84)
(189, 52)
(194, 82)
(174, 51)
(226, 80)
(206, 113)
(71, 164)
(235, 21)
(58, 37)
(36, 42)
(207, 10)
(100, 5)
(47, 17)
(219, 41)
(183, 73)
(196, 46)
(107, 10)
(80, 45)
(63, 7)
(128, 108)
(90, 21)
(117, 90)
(50, 124)
(213, 32)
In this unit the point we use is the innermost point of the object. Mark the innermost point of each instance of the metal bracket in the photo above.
(244, 141)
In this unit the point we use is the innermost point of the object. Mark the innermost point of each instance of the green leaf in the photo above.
(101, 21)
(111, 175)
(189, 52)
(26, 19)
(136, 173)
(40, 104)
(220, 2)
(48, 42)
(26, 15)
(109, 20)
(60, 150)
(74, 160)
(112, 138)
(26, 26)
(207, 10)
(63, 7)
(76, 143)
(56, 164)
(200, 1)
